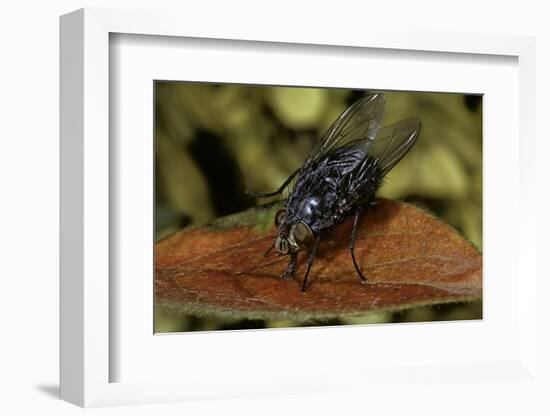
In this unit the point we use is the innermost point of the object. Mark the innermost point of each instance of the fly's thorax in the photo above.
(309, 207)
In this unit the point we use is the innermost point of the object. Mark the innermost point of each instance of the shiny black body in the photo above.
(333, 187)
(340, 178)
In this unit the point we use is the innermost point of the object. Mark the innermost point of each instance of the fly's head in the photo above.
(293, 235)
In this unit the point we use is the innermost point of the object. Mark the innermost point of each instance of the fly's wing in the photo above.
(378, 157)
(358, 124)
(392, 143)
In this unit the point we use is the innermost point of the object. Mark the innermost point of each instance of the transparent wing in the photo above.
(357, 125)
(392, 143)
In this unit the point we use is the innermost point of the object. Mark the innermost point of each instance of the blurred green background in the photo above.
(214, 140)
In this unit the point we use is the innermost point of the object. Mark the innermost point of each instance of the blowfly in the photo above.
(339, 178)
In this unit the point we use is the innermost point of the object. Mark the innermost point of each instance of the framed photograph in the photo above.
(331, 247)
(268, 213)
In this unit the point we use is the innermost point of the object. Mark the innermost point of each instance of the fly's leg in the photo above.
(291, 268)
(352, 246)
(266, 253)
(310, 261)
(277, 192)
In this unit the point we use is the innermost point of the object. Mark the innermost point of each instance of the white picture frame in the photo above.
(87, 301)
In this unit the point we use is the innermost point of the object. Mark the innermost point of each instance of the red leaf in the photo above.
(409, 257)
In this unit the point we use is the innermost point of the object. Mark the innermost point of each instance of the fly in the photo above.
(339, 178)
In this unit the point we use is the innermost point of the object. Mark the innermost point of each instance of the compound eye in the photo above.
(280, 216)
(302, 234)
